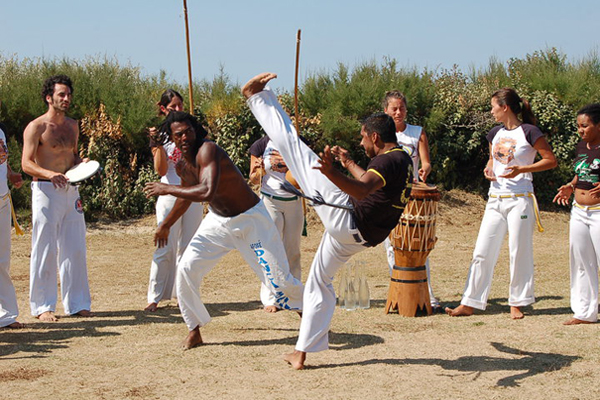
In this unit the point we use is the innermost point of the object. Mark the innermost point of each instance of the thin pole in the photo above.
(296, 83)
(189, 55)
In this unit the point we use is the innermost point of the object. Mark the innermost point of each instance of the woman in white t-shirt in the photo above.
(414, 138)
(511, 206)
(164, 261)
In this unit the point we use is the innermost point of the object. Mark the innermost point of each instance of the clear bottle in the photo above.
(343, 287)
(364, 294)
(350, 298)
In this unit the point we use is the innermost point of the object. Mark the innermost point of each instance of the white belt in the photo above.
(536, 209)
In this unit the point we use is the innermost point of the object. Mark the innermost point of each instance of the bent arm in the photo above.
(256, 169)
(31, 140)
(208, 161)
(424, 156)
(160, 160)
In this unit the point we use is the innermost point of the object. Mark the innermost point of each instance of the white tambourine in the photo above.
(82, 171)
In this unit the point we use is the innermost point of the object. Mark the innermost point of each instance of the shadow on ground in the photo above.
(533, 363)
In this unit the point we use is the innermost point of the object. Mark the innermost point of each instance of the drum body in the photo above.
(412, 240)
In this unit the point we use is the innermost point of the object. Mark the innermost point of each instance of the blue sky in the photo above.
(248, 37)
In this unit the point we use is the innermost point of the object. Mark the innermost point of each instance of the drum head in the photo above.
(82, 171)
(421, 190)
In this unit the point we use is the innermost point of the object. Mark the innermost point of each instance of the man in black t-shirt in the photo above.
(377, 196)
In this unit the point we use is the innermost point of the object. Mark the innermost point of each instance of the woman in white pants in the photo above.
(584, 229)
(164, 261)
(9, 310)
(511, 206)
(268, 170)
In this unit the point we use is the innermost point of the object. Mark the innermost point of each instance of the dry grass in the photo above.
(125, 353)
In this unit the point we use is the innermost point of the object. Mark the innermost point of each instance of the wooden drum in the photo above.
(412, 240)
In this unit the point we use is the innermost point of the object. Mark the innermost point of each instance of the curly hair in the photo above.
(48, 88)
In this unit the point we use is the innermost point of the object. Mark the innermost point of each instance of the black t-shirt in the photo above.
(378, 213)
(587, 166)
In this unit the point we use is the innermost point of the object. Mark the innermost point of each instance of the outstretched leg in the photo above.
(257, 84)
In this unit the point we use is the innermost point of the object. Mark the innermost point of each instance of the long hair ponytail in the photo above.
(509, 97)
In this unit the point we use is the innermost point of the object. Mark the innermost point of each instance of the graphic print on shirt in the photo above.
(275, 160)
(586, 170)
(3, 152)
(175, 155)
(504, 150)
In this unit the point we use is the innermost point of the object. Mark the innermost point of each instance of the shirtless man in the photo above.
(237, 219)
(58, 234)
(378, 197)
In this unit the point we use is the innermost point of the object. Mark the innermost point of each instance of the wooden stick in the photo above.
(189, 55)
(296, 83)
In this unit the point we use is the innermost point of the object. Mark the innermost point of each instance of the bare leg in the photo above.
(193, 339)
(85, 313)
(295, 359)
(152, 307)
(460, 311)
(271, 309)
(575, 321)
(15, 325)
(47, 316)
(257, 84)
(516, 313)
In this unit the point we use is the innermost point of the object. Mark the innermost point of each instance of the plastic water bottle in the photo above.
(343, 288)
(364, 294)
(350, 298)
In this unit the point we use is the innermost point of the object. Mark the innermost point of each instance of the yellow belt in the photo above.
(18, 229)
(586, 208)
(536, 209)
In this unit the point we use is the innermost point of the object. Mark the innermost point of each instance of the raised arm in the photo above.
(257, 169)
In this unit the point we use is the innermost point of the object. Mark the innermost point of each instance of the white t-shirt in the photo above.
(3, 164)
(513, 147)
(275, 167)
(410, 138)
(173, 156)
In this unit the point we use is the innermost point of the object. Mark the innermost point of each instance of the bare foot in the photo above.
(85, 313)
(460, 311)
(15, 325)
(193, 339)
(47, 316)
(152, 307)
(295, 359)
(575, 321)
(271, 309)
(257, 84)
(516, 313)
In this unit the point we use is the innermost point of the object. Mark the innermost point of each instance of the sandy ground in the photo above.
(125, 353)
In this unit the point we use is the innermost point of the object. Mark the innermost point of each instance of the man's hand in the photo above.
(342, 155)
(15, 178)
(155, 189)
(161, 236)
(59, 180)
(326, 162)
(257, 84)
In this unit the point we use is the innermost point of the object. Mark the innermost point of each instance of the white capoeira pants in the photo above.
(57, 244)
(254, 235)
(289, 220)
(584, 242)
(517, 216)
(165, 259)
(9, 310)
(341, 240)
(391, 258)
